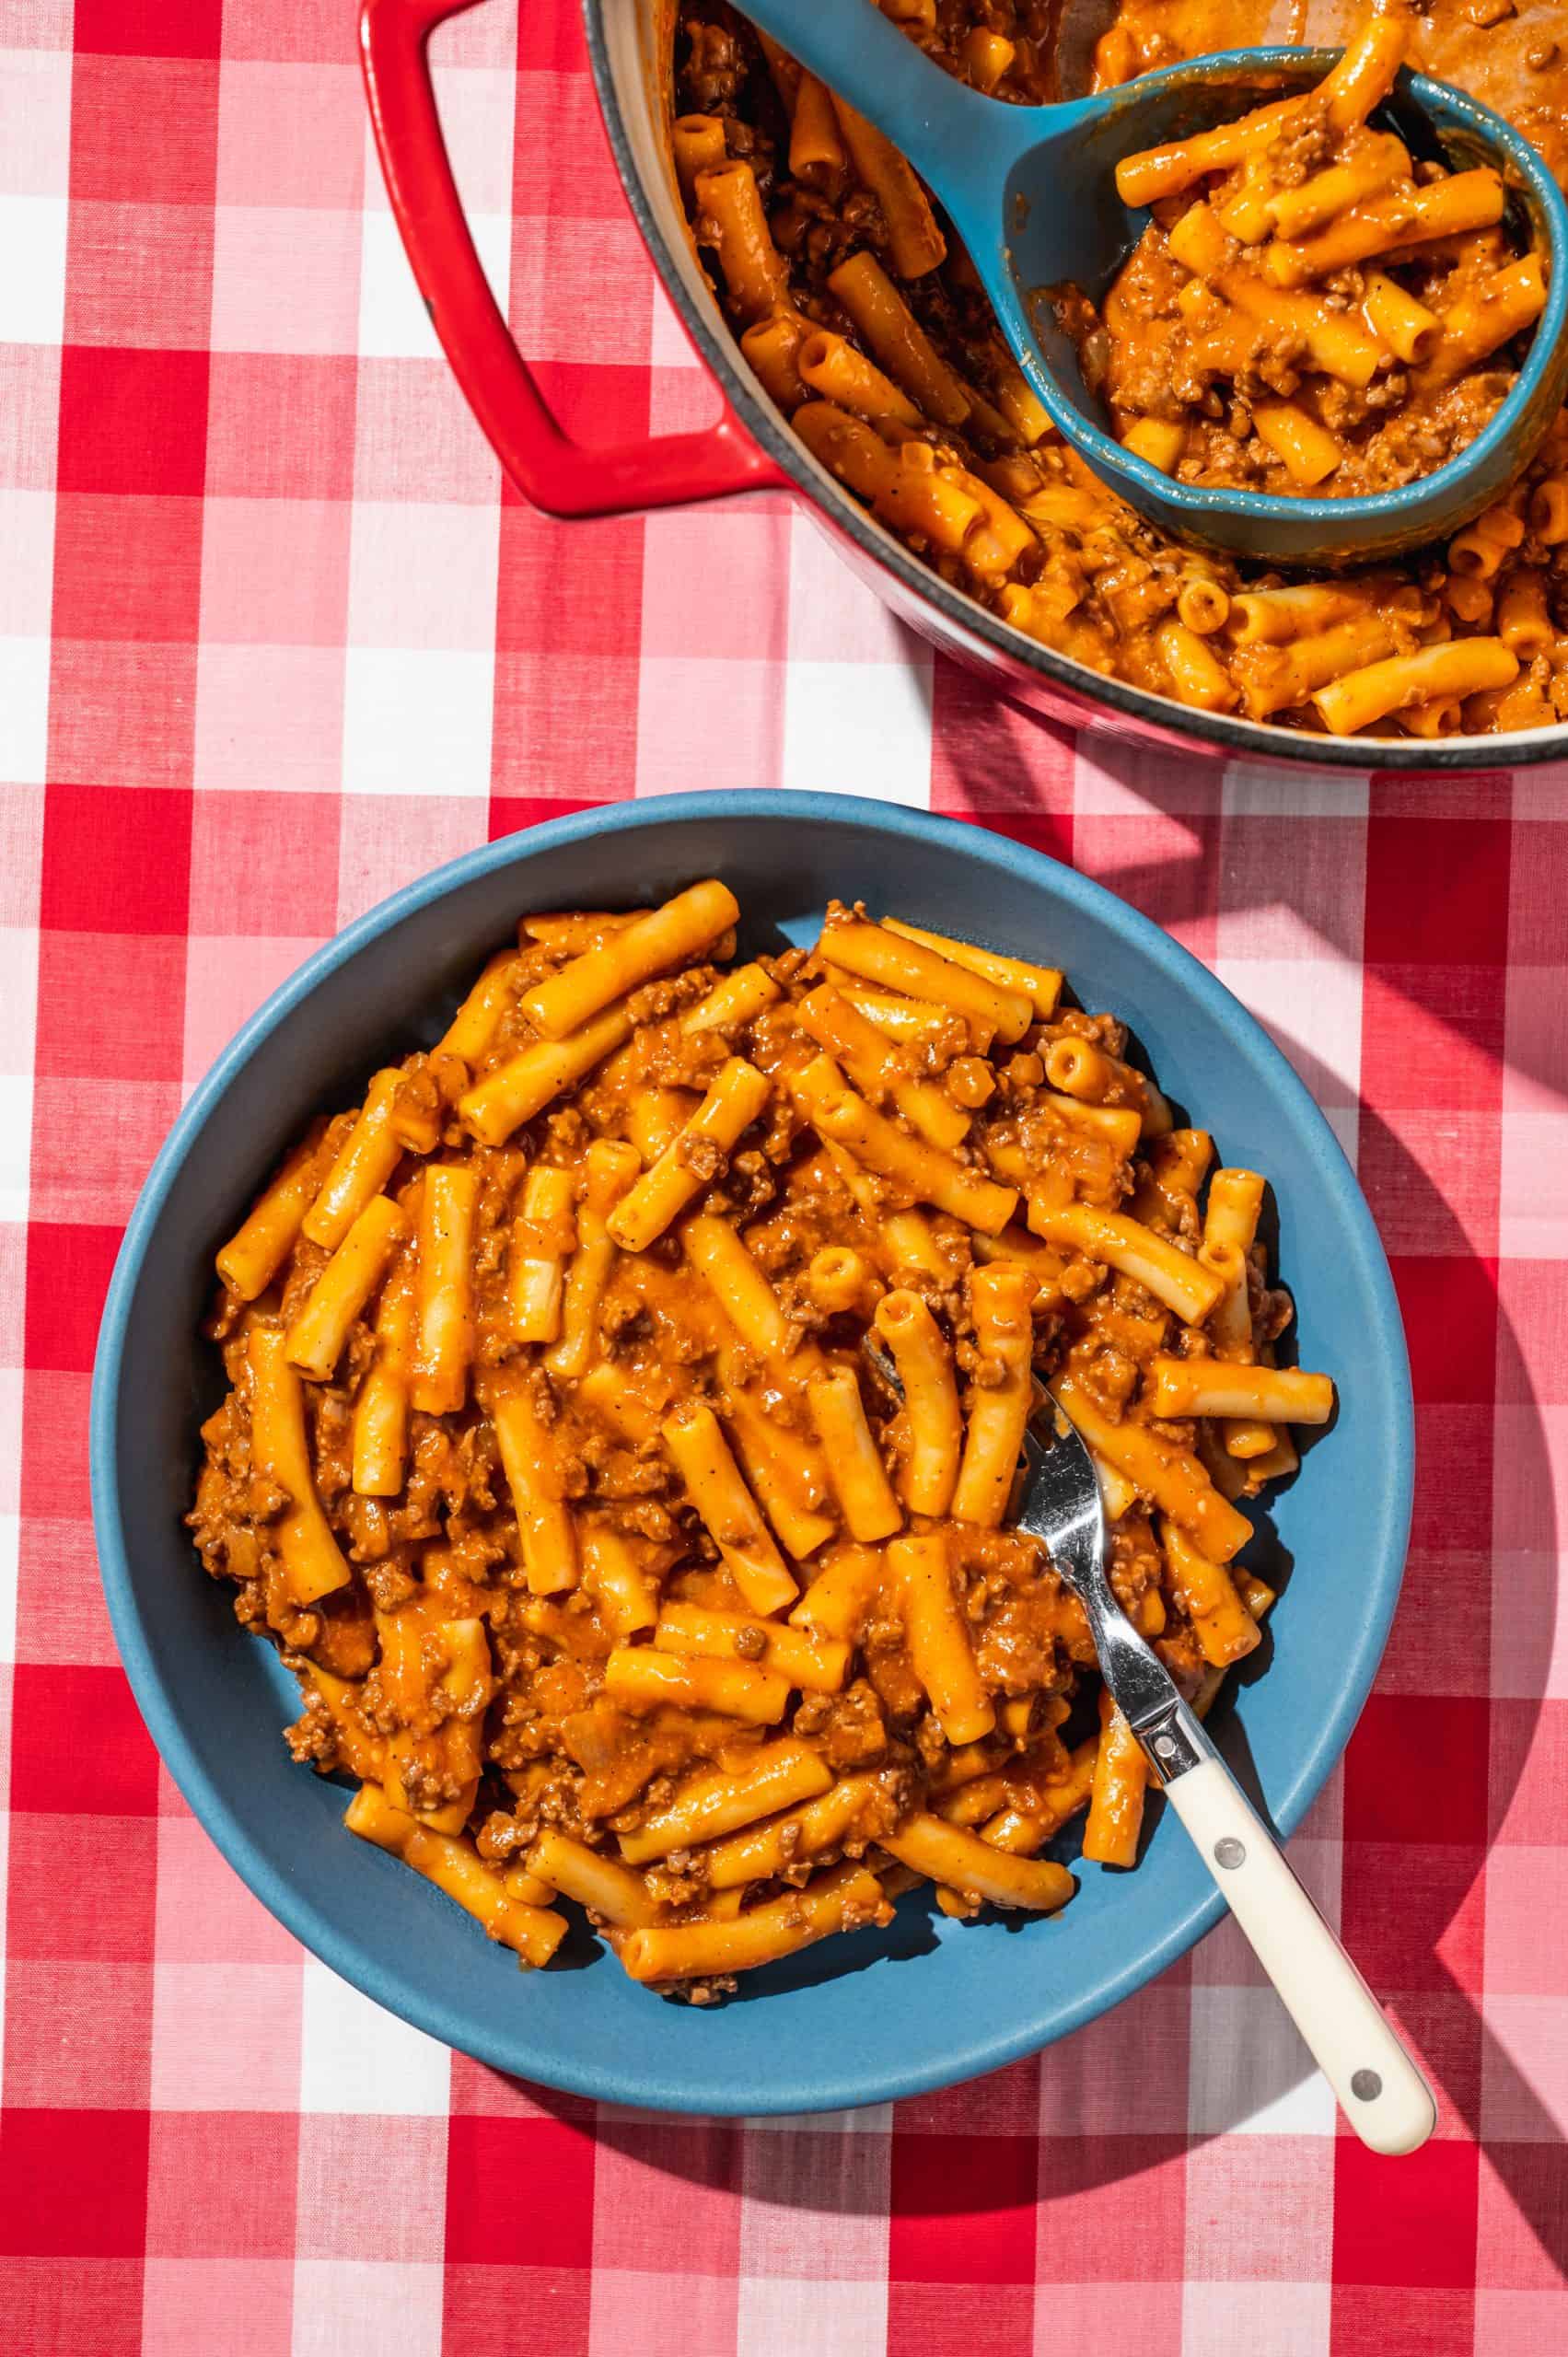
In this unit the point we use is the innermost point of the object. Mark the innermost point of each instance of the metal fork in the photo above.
(1378, 2088)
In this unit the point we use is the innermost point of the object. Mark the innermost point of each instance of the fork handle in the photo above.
(1380, 2091)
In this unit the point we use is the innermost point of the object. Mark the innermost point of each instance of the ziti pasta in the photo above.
(1315, 311)
(1310, 311)
(559, 1462)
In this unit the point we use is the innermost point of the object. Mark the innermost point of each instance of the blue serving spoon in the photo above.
(1031, 192)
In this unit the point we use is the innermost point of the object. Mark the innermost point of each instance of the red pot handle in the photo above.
(550, 470)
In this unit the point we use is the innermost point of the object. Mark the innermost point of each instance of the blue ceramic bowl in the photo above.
(851, 2023)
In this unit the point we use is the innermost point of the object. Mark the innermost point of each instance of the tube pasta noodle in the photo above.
(841, 1595)
(612, 1557)
(1041, 985)
(752, 1306)
(1001, 1298)
(642, 1679)
(444, 1287)
(1212, 1387)
(1464, 666)
(859, 1476)
(846, 1119)
(455, 1867)
(915, 242)
(814, 1664)
(730, 209)
(320, 1328)
(829, 366)
(964, 1862)
(712, 1806)
(670, 935)
(924, 1363)
(881, 314)
(894, 962)
(1116, 1796)
(542, 1241)
(546, 1534)
(312, 1559)
(366, 1160)
(731, 1514)
(759, 1852)
(873, 1062)
(381, 1407)
(610, 1171)
(252, 1257)
(523, 1087)
(1170, 1274)
(843, 1900)
(734, 1101)
(940, 1653)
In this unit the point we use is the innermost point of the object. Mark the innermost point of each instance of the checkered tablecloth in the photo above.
(275, 640)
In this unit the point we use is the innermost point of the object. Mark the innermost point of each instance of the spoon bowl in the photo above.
(1031, 193)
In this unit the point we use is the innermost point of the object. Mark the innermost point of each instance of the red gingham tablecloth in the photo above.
(273, 640)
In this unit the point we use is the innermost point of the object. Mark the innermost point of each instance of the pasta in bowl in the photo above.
(721, 1569)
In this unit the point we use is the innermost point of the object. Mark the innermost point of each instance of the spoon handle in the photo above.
(1380, 2091)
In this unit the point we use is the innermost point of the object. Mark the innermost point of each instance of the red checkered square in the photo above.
(1528, 1769)
(110, 96)
(54, 1463)
(72, 2184)
(1398, 1752)
(281, 425)
(1402, 2322)
(486, 2159)
(60, 1614)
(127, 568)
(149, 28)
(128, 1120)
(68, 1274)
(75, 2034)
(1437, 892)
(1435, 1937)
(992, 2239)
(1522, 2201)
(1532, 1355)
(1432, 1035)
(263, 862)
(86, 2303)
(276, 571)
(307, 32)
(482, 2303)
(247, 2167)
(78, 1745)
(928, 2318)
(1449, 1307)
(661, 2179)
(290, 134)
(121, 716)
(132, 422)
(110, 1003)
(1409, 2222)
(115, 862)
(141, 276)
(217, 2307)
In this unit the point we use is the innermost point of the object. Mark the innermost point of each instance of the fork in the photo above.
(1377, 2083)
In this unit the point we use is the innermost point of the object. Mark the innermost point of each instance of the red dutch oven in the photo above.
(750, 448)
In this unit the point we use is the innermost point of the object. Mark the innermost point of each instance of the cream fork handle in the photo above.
(1380, 2091)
